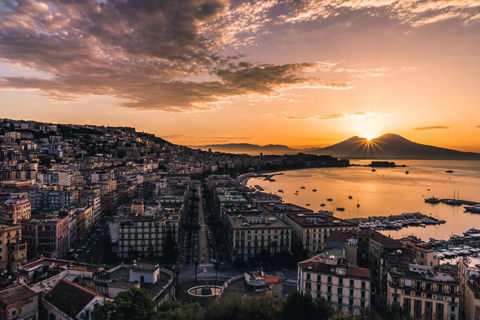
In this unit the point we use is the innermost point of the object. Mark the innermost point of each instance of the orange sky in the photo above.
(265, 73)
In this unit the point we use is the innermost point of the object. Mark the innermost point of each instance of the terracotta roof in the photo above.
(383, 239)
(339, 236)
(15, 294)
(272, 279)
(359, 272)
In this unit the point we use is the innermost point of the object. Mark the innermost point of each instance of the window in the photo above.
(329, 289)
(308, 286)
(350, 302)
(351, 292)
(363, 294)
(340, 291)
(364, 285)
(352, 283)
(329, 279)
(340, 282)
(318, 288)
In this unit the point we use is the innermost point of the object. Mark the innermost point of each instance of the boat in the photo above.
(358, 205)
(471, 231)
(308, 204)
(340, 209)
(314, 190)
(302, 187)
(449, 171)
(322, 205)
(280, 191)
(433, 200)
(350, 197)
(329, 199)
(473, 209)
(406, 172)
(373, 170)
(296, 193)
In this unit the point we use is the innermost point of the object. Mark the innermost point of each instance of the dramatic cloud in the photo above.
(177, 55)
(148, 53)
(338, 116)
(413, 12)
(430, 128)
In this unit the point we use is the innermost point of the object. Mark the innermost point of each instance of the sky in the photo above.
(302, 73)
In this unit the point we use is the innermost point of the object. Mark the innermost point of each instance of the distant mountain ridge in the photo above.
(250, 148)
(387, 146)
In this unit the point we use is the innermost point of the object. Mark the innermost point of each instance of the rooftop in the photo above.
(319, 220)
(14, 294)
(256, 221)
(70, 298)
(284, 208)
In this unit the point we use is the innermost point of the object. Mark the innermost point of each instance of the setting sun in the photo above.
(369, 136)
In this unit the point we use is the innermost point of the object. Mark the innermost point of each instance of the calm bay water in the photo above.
(387, 191)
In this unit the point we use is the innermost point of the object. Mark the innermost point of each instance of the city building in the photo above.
(13, 210)
(329, 275)
(425, 291)
(248, 235)
(46, 234)
(282, 209)
(310, 231)
(18, 302)
(68, 300)
(13, 249)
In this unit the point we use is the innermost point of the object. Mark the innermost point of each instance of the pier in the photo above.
(396, 222)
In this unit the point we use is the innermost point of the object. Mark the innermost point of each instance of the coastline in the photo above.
(243, 178)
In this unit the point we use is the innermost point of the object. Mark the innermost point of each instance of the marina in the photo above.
(395, 222)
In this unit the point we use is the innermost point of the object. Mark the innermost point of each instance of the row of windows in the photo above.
(237, 233)
(340, 291)
(338, 281)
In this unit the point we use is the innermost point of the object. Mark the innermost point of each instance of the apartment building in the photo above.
(13, 249)
(282, 209)
(46, 234)
(14, 209)
(469, 278)
(138, 236)
(310, 231)
(329, 275)
(425, 291)
(248, 235)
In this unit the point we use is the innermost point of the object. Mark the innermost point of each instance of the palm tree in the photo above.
(217, 267)
(196, 262)
(177, 269)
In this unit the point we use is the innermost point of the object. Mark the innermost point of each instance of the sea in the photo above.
(387, 191)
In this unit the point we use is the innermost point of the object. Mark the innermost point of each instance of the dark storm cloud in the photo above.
(429, 128)
(142, 51)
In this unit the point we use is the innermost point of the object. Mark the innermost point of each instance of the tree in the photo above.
(301, 306)
(241, 308)
(178, 268)
(175, 310)
(134, 304)
(216, 265)
(169, 249)
(196, 262)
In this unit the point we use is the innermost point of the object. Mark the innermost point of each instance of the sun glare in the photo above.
(369, 136)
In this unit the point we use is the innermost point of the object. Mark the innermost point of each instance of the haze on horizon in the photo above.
(302, 73)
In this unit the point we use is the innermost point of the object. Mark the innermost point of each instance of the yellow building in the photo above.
(425, 291)
(13, 250)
